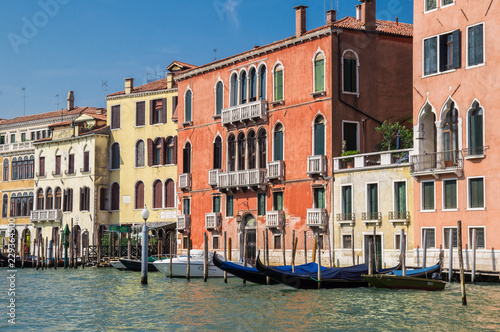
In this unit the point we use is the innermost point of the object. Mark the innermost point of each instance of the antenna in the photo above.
(215, 54)
(24, 100)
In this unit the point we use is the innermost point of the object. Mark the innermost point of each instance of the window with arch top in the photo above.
(350, 72)
(188, 110)
(140, 153)
(139, 195)
(278, 142)
(319, 136)
(475, 119)
(278, 82)
(219, 98)
(319, 72)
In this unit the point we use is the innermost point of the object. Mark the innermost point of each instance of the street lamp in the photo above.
(144, 262)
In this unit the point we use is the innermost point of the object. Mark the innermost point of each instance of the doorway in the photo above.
(249, 237)
(377, 258)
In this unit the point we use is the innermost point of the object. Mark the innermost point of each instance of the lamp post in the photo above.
(144, 262)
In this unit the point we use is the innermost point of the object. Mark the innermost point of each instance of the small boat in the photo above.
(196, 262)
(426, 273)
(135, 264)
(118, 265)
(400, 282)
(337, 277)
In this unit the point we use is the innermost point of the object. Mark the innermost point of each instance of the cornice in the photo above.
(34, 123)
(141, 94)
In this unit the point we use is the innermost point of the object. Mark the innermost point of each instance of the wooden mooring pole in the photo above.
(424, 259)
(403, 252)
(474, 247)
(450, 265)
(461, 262)
(370, 261)
(352, 246)
(315, 245)
(319, 262)
(225, 255)
(293, 251)
(305, 247)
(229, 249)
(171, 253)
(284, 246)
(188, 257)
(23, 253)
(205, 257)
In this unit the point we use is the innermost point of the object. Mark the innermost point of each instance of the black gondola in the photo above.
(135, 265)
(247, 273)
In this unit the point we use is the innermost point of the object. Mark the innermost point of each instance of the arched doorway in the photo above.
(249, 237)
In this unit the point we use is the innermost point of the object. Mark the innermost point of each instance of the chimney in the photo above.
(300, 20)
(129, 85)
(358, 12)
(369, 14)
(331, 16)
(71, 100)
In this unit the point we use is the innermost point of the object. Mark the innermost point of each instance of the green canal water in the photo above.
(109, 300)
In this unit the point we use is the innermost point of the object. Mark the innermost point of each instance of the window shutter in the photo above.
(219, 98)
(319, 139)
(42, 166)
(478, 44)
(217, 204)
(170, 198)
(86, 161)
(162, 151)
(472, 134)
(58, 164)
(139, 113)
(347, 200)
(188, 105)
(373, 198)
(319, 67)
(164, 110)
(280, 201)
(81, 199)
(175, 100)
(442, 53)
(278, 145)
(174, 157)
(150, 152)
(151, 111)
(456, 49)
(278, 85)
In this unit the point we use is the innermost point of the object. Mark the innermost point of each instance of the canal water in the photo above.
(106, 299)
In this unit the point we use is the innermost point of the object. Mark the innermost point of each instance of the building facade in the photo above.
(455, 71)
(258, 131)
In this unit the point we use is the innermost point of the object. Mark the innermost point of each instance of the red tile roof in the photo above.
(54, 114)
(386, 27)
(153, 86)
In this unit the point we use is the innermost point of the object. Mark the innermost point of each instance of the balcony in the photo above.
(16, 146)
(213, 177)
(46, 216)
(276, 170)
(275, 219)
(244, 179)
(183, 222)
(399, 217)
(252, 111)
(382, 159)
(346, 219)
(372, 218)
(185, 181)
(316, 165)
(213, 221)
(437, 163)
(475, 152)
(316, 218)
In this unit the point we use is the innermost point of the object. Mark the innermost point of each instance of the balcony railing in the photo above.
(399, 216)
(46, 215)
(183, 222)
(185, 181)
(475, 151)
(275, 219)
(16, 146)
(346, 218)
(371, 217)
(316, 217)
(213, 220)
(213, 177)
(242, 179)
(276, 170)
(316, 165)
(249, 111)
(380, 159)
(437, 163)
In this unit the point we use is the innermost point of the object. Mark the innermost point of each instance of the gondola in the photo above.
(400, 282)
(425, 273)
(339, 277)
(251, 274)
(135, 265)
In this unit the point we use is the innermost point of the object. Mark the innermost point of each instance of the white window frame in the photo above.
(313, 132)
(469, 193)
(357, 72)
(274, 130)
(469, 237)
(215, 99)
(422, 196)
(342, 199)
(357, 132)
(135, 153)
(443, 194)
(367, 202)
(343, 243)
(468, 129)
(396, 242)
(319, 51)
(438, 55)
(135, 115)
(192, 105)
(442, 5)
(431, 10)
(422, 236)
(394, 193)
(111, 117)
(445, 239)
(467, 45)
(135, 194)
(276, 64)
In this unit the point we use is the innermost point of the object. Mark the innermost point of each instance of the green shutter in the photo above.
(278, 145)
(400, 196)
(278, 85)
(278, 201)
(229, 206)
(319, 71)
(319, 194)
(347, 199)
(450, 192)
(188, 106)
(216, 204)
(428, 193)
(219, 98)
(319, 139)
(261, 198)
(476, 193)
(372, 188)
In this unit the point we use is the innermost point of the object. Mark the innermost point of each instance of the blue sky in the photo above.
(52, 46)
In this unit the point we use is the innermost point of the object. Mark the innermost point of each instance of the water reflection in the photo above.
(106, 299)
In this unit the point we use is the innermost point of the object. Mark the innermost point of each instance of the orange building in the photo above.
(455, 76)
(258, 130)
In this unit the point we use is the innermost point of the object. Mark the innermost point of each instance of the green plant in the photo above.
(349, 153)
(390, 132)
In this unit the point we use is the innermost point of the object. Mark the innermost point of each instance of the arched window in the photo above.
(253, 85)
(186, 161)
(157, 152)
(233, 98)
(14, 169)
(71, 161)
(241, 151)
(30, 203)
(40, 199)
(24, 205)
(171, 152)
(31, 167)
(115, 197)
(350, 72)
(217, 153)
(319, 72)
(252, 155)
(68, 200)
(169, 193)
(139, 195)
(278, 82)
(49, 200)
(5, 205)
(115, 156)
(188, 102)
(319, 136)
(219, 97)
(262, 148)
(450, 133)
(262, 82)
(6, 169)
(13, 199)
(140, 151)
(476, 144)
(58, 199)
(231, 153)
(243, 87)
(157, 194)
(278, 142)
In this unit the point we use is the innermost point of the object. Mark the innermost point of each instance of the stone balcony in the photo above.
(185, 181)
(372, 218)
(183, 222)
(437, 163)
(381, 159)
(317, 165)
(275, 219)
(252, 111)
(213, 220)
(346, 219)
(242, 180)
(53, 215)
(13, 147)
(276, 170)
(399, 217)
(317, 218)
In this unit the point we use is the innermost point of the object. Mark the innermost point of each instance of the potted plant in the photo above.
(349, 162)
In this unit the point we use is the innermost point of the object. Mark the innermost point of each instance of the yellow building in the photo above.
(373, 192)
(143, 150)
